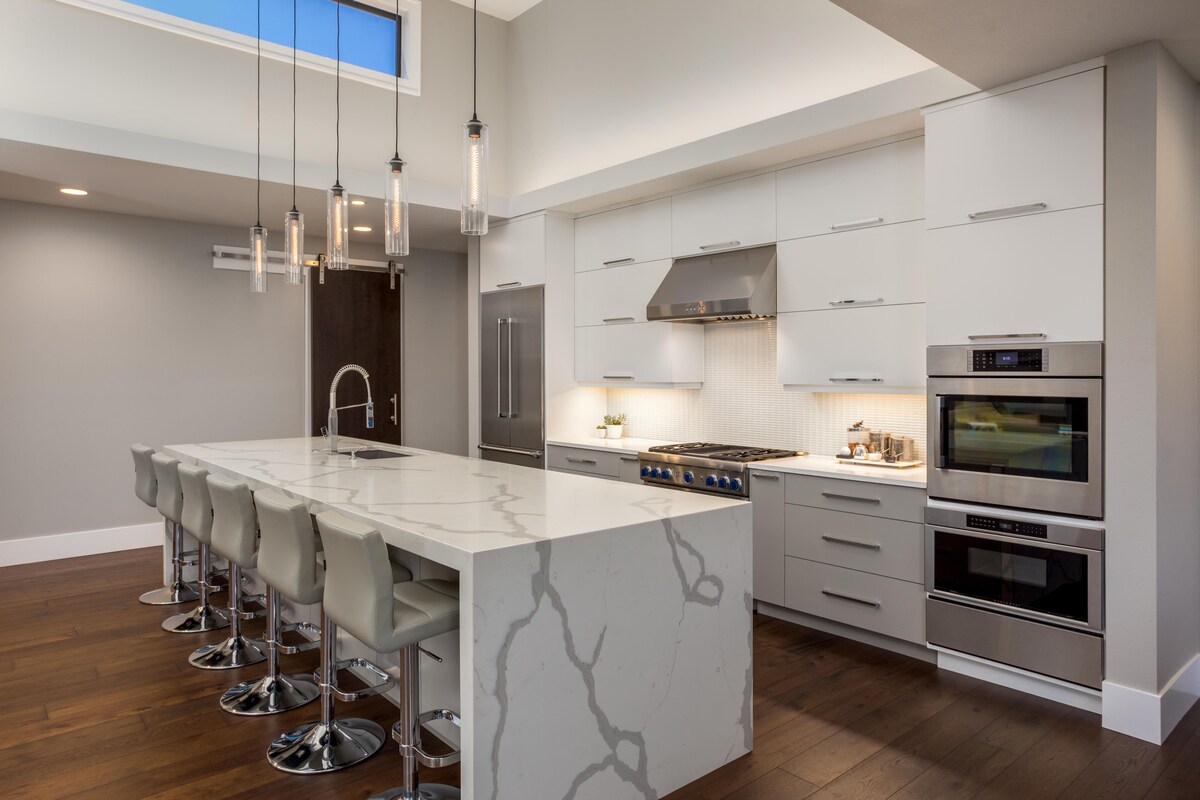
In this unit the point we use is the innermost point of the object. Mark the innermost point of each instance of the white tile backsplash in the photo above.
(741, 403)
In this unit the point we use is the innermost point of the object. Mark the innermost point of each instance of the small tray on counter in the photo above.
(862, 462)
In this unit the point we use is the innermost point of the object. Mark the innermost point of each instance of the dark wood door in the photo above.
(357, 318)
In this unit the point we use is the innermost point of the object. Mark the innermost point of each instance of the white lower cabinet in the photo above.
(881, 605)
(872, 349)
(767, 492)
(1038, 277)
(640, 354)
(603, 464)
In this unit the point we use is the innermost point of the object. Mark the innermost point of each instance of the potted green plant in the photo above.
(601, 431)
(615, 423)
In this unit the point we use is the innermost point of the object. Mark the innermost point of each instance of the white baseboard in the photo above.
(81, 543)
(904, 648)
(1022, 680)
(1148, 716)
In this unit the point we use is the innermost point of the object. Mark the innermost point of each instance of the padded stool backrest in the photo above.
(197, 504)
(234, 525)
(287, 551)
(145, 485)
(358, 579)
(170, 493)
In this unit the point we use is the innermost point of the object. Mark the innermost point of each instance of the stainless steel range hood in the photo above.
(734, 284)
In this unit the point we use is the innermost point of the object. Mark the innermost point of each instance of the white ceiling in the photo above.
(506, 10)
(989, 42)
(34, 174)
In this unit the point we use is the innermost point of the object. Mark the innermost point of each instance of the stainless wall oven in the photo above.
(1018, 426)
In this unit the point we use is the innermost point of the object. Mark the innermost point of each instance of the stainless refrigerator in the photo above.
(510, 358)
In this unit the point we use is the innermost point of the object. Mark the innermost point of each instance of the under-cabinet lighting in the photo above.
(73, 192)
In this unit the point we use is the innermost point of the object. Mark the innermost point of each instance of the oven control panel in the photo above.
(998, 525)
(1017, 360)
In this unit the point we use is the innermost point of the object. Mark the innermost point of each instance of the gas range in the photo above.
(705, 467)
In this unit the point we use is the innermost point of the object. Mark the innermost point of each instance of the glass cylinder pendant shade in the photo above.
(258, 258)
(474, 179)
(395, 210)
(337, 235)
(293, 248)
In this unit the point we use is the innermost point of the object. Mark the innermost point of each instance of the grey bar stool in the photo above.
(234, 538)
(362, 598)
(331, 743)
(196, 518)
(145, 486)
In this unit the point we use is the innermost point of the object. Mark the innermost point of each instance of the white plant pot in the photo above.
(601, 433)
(616, 431)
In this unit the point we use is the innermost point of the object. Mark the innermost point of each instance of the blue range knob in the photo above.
(688, 477)
(710, 481)
(654, 473)
(666, 473)
(736, 484)
(723, 483)
(645, 471)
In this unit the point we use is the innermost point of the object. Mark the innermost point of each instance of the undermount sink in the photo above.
(372, 453)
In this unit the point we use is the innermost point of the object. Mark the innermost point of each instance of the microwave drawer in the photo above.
(888, 547)
(857, 497)
(872, 602)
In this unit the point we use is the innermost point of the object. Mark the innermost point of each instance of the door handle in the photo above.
(499, 325)
(856, 380)
(506, 285)
(851, 598)
(517, 451)
(761, 477)
(618, 377)
(855, 302)
(992, 212)
(720, 245)
(975, 337)
(395, 411)
(509, 322)
(616, 261)
(607, 320)
(581, 460)
(836, 496)
(851, 542)
(854, 223)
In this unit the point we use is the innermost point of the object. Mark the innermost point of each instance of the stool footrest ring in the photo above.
(418, 752)
(386, 681)
(304, 627)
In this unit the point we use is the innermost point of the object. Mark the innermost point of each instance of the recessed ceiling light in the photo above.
(363, 228)
(73, 192)
(358, 202)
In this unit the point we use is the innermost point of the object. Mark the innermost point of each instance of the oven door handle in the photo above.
(941, 430)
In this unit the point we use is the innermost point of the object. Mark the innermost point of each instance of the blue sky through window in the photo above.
(368, 39)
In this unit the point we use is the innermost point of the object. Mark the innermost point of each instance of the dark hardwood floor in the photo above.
(98, 702)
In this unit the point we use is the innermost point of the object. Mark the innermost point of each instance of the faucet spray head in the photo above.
(370, 414)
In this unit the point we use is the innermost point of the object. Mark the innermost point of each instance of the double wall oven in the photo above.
(1014, 555)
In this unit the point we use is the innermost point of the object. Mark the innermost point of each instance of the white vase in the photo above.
(601, 433)
(616, 431)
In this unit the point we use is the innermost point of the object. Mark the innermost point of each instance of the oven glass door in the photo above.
(1032, 437)
(1046, 580)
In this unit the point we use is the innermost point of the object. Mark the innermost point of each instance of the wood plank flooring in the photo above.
(98, 702)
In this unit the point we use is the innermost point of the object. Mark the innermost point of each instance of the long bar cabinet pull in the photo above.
(979, 337)
(851, 542)
(852, 302)
(720, 245)
(851, 598)
(837, 496)
(855, 223)
(995, 212)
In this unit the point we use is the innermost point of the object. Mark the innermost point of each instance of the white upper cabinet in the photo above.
(513, 255)
(878, 186)
(1031, 278)
(617, 295)
(629, 235)
(1028, 151)
(856, 350)
(872, 266)
(640, 354)
(740, 213)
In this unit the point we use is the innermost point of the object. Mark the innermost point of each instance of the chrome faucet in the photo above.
(333, 406)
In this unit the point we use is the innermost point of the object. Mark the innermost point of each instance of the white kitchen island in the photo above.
(605, 639)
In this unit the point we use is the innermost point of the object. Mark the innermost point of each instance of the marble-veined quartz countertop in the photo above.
(440, 506)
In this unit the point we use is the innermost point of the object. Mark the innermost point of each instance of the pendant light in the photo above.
(293, 222)
(337, 233)
(475, 152)
(395, 204)
(258, 234)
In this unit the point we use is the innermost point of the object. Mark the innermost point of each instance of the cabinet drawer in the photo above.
(885, 547)
(857, 497)
(872, 267)
(1035, 149)
(724, 217)
(640, 354)
(873, 349)
(878, 186)
(618, 294)
(883, 605)
(580, 460)
(629, 235)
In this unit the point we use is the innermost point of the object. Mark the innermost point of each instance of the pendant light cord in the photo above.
(258, 111)
(475, 62)
(337, 99)
(293, 105)
(399, 67)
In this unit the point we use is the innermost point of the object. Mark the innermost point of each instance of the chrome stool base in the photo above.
(170, 595)
(426, 791)
(234, 652)
(201, 619)
(325, 747)
(270, 695)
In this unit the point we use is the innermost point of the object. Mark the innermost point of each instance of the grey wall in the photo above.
(115, 329)
(1152, 385)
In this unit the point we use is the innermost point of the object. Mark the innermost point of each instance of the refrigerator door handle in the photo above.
(510, 322)
(517, 451)
(499, 324)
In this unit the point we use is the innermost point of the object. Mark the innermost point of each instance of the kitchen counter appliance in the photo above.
(510, 377)
(705, 467)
